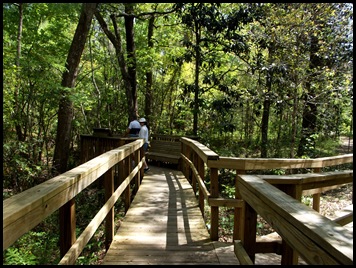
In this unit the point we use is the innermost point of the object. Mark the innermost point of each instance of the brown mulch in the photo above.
(330, 202)
(346, 146)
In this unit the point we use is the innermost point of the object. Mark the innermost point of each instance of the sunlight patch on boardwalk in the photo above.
(164, 225)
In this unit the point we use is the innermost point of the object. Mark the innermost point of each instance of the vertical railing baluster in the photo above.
(201, 172)
(214, 216)
(67, 224)
(239, 214)
(109, 219)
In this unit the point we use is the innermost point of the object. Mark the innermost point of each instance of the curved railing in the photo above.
(303, 230)
(323, 241)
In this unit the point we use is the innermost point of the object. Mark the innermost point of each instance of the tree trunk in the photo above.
(267, 104)
(265, 117)
(307, 141)
(294, 124)
(131, 59)
(149, 74)
(65, 110)
(115, 39)
(65, 117)
(20, 136)
(196, 83)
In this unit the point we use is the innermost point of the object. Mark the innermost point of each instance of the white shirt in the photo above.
(134, 124)
(134, 127)
(143, 133)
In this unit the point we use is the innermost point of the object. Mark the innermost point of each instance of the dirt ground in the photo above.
(331, 202)
(347, 145)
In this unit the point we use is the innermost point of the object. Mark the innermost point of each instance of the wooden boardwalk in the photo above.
(164, 225)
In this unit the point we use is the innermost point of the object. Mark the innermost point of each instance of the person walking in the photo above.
(144, 135)
(134, 128)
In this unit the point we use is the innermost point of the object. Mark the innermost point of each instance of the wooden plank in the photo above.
(316, 238)
(168, 257)
(270, 243)
(27, 209)
(344, 216)
(225, 253)
(204, 152)
(225, 202)
(164, 149)
(278, 163)
(241, 253)
(163, 158)
(164, 225)
(162, 155)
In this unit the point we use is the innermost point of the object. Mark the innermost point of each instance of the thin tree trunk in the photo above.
(20, 135)
(149, 74)
(116, 41)
(131, 59)
(196, 83)
(294, 125)
(98, 104)
(307, 141)
(266, 106)
(265, 119)
(65, 110)
(65, 117)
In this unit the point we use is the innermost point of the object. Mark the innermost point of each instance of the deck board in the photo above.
(165, 226)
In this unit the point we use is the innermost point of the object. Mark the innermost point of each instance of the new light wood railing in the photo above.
(276, 198)
(199, 160)
(24, 211)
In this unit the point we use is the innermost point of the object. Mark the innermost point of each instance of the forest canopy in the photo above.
(265, 79)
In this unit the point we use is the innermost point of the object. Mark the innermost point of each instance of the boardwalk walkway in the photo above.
(165, 226)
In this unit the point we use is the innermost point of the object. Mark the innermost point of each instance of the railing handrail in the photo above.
(204, 152)
(278, 163)
(323, 241)
(196, 157)
(24, 211)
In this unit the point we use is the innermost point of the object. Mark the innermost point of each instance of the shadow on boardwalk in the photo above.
(164, 225)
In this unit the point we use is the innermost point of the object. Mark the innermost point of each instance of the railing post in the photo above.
(201, 172)
(184, 165)
(109, 219)
(188, 173)
(137, 158)
(67, 226)
(316, 197)
(239, 214)
(214, 216)
(290, 256)
(250, 228)
(127, 170)
(192, 179)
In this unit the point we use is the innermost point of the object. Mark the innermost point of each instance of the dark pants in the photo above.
(145, 146)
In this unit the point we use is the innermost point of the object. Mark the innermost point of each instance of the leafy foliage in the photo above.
(254, 62)
(30, 248)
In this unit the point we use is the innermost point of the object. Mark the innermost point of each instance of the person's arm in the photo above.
(146, 135)
(127, 131)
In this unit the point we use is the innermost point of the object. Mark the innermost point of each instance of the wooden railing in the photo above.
(305, 232)
(165, 149)
(198, 160)
(275, 197)
(24, 211)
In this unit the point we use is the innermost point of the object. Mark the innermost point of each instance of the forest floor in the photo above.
(330, 202)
